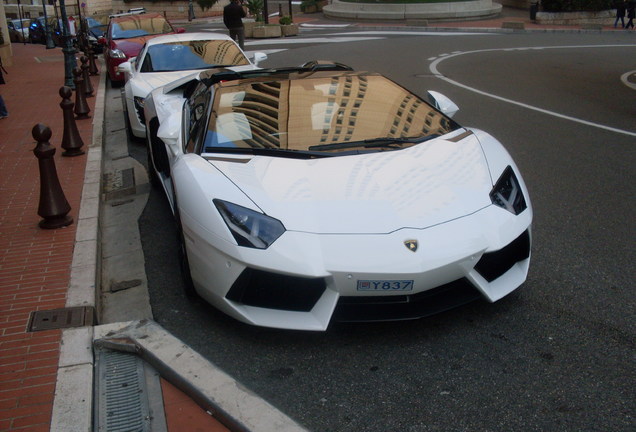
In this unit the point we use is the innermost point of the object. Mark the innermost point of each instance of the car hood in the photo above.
(131, 47)
(425, 185)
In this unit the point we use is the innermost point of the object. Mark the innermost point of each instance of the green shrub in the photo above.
(575, 5)
(206, 4)
(285, 20)
(256, 9)
(306, 4)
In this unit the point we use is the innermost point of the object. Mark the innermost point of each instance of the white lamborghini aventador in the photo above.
(311, 194)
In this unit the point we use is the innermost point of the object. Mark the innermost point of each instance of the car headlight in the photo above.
(507, 193)
(117, 53)
(249, 228)
(139, 102)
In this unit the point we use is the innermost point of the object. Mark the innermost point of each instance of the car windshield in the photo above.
(187, 55)
(95, 26)
(18, 24)
(331, 113)
(136, 26)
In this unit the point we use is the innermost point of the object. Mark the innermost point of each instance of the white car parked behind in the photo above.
(165, 59)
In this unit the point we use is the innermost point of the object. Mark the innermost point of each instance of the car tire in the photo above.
(113, 83)
(184, 264)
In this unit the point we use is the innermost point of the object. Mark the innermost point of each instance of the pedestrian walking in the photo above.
(3, 108)
(631, 14)
(233, 15)
(621, 6)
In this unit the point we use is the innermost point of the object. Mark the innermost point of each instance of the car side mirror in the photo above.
(101, 40)
(259, 57)
(442, 103)
(125, 67)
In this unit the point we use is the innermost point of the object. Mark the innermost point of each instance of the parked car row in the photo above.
(34, 30)
(19, 30)
(315, 193)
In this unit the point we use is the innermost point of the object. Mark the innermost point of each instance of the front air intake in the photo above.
(494, 264)
(276, 291)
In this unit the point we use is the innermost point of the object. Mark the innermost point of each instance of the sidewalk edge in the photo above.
(228, 400)
(73, 400)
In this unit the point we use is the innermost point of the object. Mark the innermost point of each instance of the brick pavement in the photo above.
(34, 263)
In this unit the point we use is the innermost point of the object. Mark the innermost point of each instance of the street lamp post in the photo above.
(47, 31)
(21, 22)
(68, 50)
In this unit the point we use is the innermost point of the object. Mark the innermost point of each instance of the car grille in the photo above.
(401, 307)
(494, 264)
(276, 291)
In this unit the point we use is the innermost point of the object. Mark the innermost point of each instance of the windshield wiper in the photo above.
(293, 154)
(373, 142)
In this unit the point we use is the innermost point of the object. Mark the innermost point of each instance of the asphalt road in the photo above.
(559, 353)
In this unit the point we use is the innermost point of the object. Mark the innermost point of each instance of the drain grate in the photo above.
(61, 318)
(121, 394)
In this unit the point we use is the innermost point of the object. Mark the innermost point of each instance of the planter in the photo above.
(289, 30)
(267, 31)
(248, 27)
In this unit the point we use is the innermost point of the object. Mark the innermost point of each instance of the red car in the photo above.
(127, 34)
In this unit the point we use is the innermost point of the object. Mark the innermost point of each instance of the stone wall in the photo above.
(5, 49)
(462, 10)
(172, 10)
(606, 17)
(28, 11)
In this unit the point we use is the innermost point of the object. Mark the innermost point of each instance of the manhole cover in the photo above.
(61, 318)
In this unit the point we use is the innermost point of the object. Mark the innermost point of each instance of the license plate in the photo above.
(385, 285)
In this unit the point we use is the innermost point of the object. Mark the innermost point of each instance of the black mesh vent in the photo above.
(494, 264)
(275, 291)
(402, 307)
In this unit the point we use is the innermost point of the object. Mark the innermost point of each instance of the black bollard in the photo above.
(88, 86)
(53, 206)
(71, 139)
(81, 107)
(92, 65)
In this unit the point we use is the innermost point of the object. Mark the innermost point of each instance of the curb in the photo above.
(226, 399)
(73, 400)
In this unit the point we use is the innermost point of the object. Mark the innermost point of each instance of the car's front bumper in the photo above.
(303, 280)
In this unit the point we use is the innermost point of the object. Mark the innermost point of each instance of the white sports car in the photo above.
(170, 57)
(311, 194)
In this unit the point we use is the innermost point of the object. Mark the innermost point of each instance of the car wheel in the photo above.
(188, 285)
(113, 83)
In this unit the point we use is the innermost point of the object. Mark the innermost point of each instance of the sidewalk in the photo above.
(43, 270)
(36, 264)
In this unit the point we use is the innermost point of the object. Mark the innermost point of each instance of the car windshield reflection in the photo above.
(137, 27)
(333, 114)
(189, 55)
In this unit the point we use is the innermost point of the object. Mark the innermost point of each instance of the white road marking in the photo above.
(318, 40)
(625, 79)
(416, 33)
(324, 25)
(435, 71)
